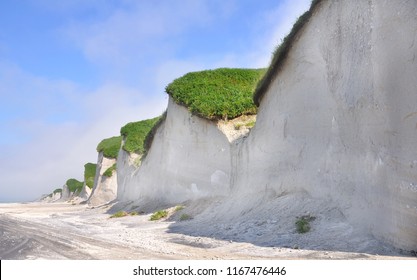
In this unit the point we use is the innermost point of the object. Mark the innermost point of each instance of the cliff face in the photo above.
(66, 193)
(53, 197)
(339, 121)
(84, 193)
(189, 159)
(105, 187)
(335, 138)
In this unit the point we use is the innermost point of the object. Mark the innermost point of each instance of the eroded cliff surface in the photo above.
(339, 120)
(189, 159)
(105, 182)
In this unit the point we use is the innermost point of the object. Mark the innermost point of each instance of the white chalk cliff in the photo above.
(337, 124)
(335, 139)
(189, 159)
(53, 197)
(84, 193)
(338, 120)
(105, 187)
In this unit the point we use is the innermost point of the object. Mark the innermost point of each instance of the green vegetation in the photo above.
(159, 215)
(57, 191)
(248, 124)
(214, 94)
(280, 54)
(74, 185)
(119, 214)
(303, 223)
(110, 146)
(109, 171)
(89, 174)
(135, 134)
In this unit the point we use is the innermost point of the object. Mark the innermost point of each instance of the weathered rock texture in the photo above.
(339, 120)
(84, 193)
(189, 159)
(105, 188)
(66, 193)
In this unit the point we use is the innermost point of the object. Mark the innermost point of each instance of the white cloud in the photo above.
(56, 150)
(136, 30)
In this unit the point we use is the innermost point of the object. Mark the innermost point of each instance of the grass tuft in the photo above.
(303, 223)
(119, 214)
(109, 171)
(158, 215)
(248, 124)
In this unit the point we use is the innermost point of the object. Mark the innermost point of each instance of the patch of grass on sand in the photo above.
(158, 215)
(119, 214)
(303, 223)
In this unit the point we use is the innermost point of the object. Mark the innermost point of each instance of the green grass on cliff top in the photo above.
(135, 134)
(74, 185)
(110, 146)
(224, 93)
(89, 174)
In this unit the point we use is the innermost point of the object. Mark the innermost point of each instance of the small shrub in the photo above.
(303, 223)
(159, 215)
(185, 217)
(134, 213)
(119, 214)
(109, 171)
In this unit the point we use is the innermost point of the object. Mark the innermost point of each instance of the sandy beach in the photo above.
(65, 231)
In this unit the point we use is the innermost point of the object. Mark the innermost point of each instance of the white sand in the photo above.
(65, 231)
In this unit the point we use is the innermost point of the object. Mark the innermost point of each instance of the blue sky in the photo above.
(72, 72)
